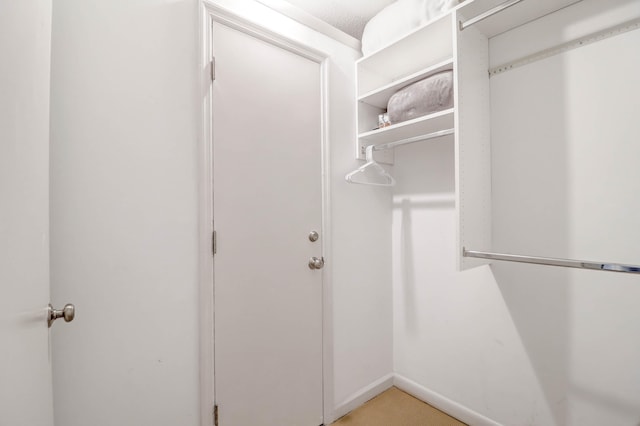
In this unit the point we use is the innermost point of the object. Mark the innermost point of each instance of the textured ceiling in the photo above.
(349, 16)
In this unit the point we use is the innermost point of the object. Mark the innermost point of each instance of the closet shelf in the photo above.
(418, 126)
(507, 19)
(439, 45)
(426, 46)
(379, 97)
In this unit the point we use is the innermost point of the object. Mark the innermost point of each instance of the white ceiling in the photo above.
(349, 16)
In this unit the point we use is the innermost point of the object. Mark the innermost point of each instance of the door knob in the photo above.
(68, 313)
(316, 263)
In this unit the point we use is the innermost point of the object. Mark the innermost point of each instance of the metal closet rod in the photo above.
(433, 135)
(488, 13)
(550, 261)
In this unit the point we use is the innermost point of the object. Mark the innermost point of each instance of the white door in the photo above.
(267, 200)
(25, 369)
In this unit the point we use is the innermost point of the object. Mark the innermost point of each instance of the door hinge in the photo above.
(215, 415)
(213, 68)
(214, 242)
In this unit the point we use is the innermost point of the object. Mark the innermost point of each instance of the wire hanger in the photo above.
(371, 173)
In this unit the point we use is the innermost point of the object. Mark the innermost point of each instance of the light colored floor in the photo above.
(396, 408)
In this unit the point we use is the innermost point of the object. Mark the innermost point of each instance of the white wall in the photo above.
(453, 334)
(532, 345)
(578, 326)
(124, 215)
(124, 140)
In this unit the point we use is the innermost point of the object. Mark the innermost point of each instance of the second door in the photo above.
(267, 163)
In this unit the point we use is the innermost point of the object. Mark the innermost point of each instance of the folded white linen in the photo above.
(399, 19)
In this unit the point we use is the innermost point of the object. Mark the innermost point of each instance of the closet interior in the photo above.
(456, 42)
(178, 144)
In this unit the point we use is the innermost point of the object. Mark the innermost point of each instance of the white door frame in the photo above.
(245, 16)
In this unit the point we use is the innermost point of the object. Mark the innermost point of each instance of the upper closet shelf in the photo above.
(380, 96)
(519, 14)
(429, 45)
(418, 126)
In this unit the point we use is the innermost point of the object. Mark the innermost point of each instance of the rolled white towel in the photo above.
(399, 19)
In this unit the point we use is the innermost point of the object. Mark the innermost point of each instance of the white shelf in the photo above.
(428, 45)
(380, 97)
(438, 46)
(514, 16)
(418, 126)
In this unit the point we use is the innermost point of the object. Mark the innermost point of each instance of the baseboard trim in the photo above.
(442, 403)
(363, 395)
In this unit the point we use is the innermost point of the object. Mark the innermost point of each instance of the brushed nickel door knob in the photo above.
(68, 313)
(316, 263)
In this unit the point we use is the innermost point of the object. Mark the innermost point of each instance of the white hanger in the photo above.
(370, 166)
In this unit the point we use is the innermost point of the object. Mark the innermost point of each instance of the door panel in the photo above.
(25, 370)
(267, 199)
